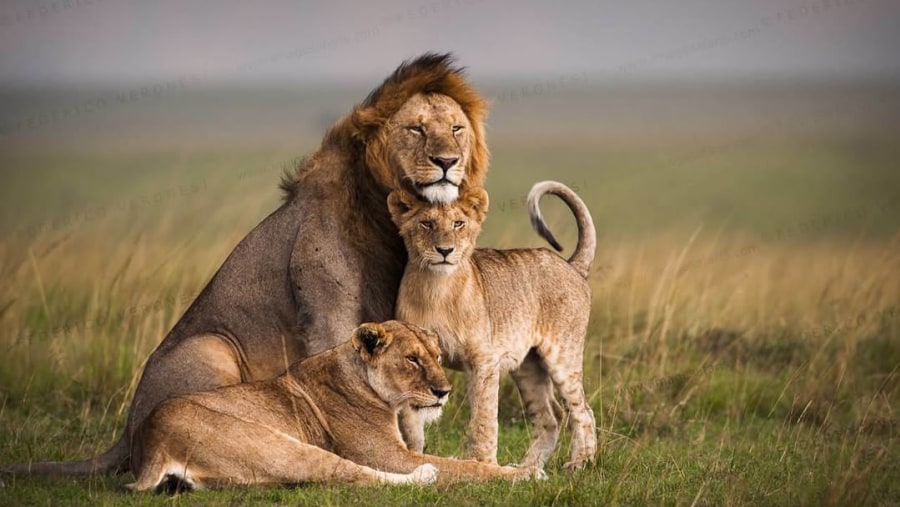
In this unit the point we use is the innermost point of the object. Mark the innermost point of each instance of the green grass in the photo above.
(744, 343)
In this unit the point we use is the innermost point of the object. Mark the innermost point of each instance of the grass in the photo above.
(743, 349)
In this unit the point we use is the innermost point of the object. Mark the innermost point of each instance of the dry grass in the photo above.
(719, 360)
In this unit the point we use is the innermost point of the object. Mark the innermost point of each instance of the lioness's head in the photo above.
(403, 366)
(439, 236)
(423, 129)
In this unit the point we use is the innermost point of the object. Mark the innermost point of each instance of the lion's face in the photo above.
(439, 236)
(403, 363)
(429, 141)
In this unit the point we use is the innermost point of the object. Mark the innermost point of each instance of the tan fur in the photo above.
(327, 259)
(331, 418)
(524, 311)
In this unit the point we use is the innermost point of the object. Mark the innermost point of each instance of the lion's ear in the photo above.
(370, 338)
(366, 121)
(400, 202)
(475, 200)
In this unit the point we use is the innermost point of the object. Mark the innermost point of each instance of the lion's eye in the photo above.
(426, 224)
(413, 359)
(458, 224)
(416, 129)
(457, 129)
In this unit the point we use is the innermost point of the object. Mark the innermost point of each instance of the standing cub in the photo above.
(523, 310)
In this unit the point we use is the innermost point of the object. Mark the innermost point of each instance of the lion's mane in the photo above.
(361, 134)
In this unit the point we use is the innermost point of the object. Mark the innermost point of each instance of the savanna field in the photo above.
(744, 346)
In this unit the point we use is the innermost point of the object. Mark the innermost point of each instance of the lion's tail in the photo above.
(583, 256)
(114, 460)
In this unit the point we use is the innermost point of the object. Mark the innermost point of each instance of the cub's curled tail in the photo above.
(583, 256)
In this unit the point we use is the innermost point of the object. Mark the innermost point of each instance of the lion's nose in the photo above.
(444, 163)
(443, 251)
(440, 393)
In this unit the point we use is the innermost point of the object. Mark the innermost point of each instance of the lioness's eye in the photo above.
(416, 129)
(458, 224)
(413, 359)
(457, 128)
(427, 225)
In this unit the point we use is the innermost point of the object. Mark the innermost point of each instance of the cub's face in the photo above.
(430, 141)
(439, 236)
(403, 366)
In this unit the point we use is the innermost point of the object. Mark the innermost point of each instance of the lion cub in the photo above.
(524, 311)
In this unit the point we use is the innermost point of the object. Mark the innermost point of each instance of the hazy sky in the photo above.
(87, 41)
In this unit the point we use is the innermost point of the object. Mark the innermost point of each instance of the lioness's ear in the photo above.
(400, 202)
(476, 200)
(369, 338)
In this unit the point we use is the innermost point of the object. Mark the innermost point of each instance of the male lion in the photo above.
(329, 257)
(525, 311)
(332, 418)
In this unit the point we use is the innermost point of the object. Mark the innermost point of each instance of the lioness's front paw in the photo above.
(424, 474)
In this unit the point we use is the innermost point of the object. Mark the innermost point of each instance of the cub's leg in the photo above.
(412, 428)
(536, 389)
(483, 387)
(566, 370)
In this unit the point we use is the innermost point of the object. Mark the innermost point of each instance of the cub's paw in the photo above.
(424, 474)
(577, 464)
(538, 474)
(527, 473)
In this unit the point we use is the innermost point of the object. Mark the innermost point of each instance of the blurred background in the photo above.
(740, 160)
(745, 115)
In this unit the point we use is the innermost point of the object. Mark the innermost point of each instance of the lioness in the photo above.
(329, 257)
(331, 418)
(525, 311)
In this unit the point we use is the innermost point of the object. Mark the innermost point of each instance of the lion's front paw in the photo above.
(424, 474)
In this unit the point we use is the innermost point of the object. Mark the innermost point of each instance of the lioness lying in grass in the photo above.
(524, 311)
(332, 418)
